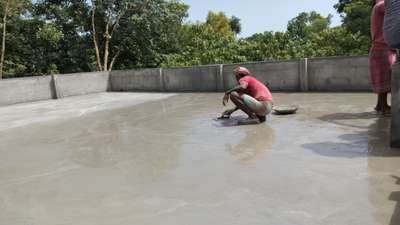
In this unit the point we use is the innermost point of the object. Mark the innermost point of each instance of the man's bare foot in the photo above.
(262, 119)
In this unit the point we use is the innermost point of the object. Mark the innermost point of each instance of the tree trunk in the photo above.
(104, 64)
(95, 41)
(3, 42)
(114, 59)
(106, 48)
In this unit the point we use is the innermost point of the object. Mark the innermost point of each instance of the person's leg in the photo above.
(378, 106)
(384, 106)
(259, 108)
(264, 111)
(238, 100)
(380, 63)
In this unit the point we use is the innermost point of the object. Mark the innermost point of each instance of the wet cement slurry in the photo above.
(165, 161)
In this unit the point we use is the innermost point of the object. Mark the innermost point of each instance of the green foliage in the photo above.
(337, 42)
(356, 15)
(306, 24)
(308, 35)
(146, 36)
(201, 45)
(236, 26)
(50, 33)
(219, 23)
(55, 36)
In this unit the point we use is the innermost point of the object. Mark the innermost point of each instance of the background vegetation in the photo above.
(64, 36)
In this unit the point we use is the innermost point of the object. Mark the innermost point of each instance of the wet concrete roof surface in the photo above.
(126, 158)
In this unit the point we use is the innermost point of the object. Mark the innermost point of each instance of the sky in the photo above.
(258, 16)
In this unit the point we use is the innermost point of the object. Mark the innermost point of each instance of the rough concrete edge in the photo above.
(337, 58)
(262, 62)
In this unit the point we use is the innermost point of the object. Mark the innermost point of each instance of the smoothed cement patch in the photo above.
(125, 158)
(66, 108)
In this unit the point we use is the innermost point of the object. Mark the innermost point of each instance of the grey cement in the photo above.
(193, 79)
(395, 135)
(14, 91)
(338, 74)
(335, 74)
(136, 80)
(21, 115)
(81, 83)
(165, 161)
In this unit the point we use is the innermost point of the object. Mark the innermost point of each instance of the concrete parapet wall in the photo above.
(338, 74)
(136, 80)
(20, 90)
(193, 79)
(321, 74)
(81, 83)
(280, 75)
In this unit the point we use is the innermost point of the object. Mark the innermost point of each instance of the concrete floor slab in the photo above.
(125, 158)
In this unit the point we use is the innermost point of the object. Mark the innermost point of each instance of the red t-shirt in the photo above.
(256, 89)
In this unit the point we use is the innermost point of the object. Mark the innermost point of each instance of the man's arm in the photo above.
(239, 88)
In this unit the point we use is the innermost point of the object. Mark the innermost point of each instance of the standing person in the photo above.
(381, 58)
(250, 95)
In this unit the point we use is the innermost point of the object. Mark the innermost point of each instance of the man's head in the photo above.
(241, 72)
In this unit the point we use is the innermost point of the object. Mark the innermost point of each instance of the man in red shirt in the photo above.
(250, 95)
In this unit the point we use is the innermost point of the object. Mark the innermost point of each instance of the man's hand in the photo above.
(225, 100)
(227, 113)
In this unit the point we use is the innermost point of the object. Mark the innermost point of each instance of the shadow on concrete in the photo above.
(373, 139)
(234, 121)
(395, 196)
(338, 118)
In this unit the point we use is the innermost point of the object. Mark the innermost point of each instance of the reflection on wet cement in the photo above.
(169, 162)
(250, 146)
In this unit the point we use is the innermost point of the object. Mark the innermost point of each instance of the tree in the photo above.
(300, 27)
(109, 14)
(356, 15)
(201, 45)
(219, 23)
(338, 42)
(66, 36)
(140, 32)
(236, 26)
(74, 52)
(9, 7)
(152, 34)
(142, 29)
